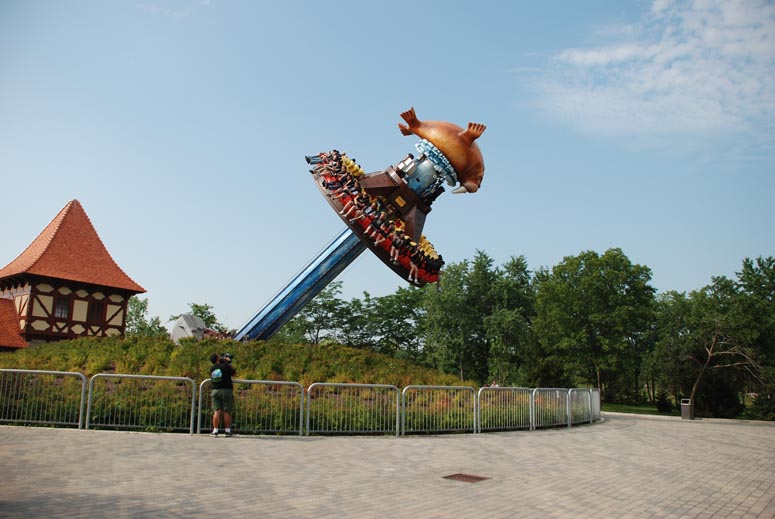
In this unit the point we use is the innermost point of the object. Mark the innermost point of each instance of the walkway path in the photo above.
(627, 467)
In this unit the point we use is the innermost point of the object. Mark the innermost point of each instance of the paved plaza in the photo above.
(625, 467)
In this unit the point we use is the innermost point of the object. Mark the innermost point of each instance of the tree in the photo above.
(137, 322)
(507, 332)
(673, 327)
(319, 319)
(591, 312)
(721, 331)
(756, 284)
(449, 320)
(478, 323)
(352, 323)
(390, 324)
(707, 335)
(509, 324)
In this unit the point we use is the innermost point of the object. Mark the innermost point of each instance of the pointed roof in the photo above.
(10, 334)
(69, 248)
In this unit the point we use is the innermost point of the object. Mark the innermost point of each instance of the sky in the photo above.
(182, 126)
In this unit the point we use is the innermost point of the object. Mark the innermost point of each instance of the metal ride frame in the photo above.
(159, 404)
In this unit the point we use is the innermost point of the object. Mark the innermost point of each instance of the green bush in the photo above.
(257, 360)
(663, 403)
(763, 408)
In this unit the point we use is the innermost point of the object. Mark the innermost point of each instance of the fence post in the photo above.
(199, 407)
(301, 411)
(589, 401)
(403, 411)
(309, 398)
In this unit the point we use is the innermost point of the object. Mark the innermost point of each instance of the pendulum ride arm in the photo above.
(308, 283)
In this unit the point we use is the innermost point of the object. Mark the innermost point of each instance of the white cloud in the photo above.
(703, 67)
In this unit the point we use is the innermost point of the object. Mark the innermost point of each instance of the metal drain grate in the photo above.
(466, 478)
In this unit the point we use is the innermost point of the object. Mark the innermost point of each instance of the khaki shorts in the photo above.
(223, 400)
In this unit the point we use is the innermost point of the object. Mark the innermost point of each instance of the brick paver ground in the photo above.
(626, 467)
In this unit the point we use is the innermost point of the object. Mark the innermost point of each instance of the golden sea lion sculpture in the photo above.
(456, 143)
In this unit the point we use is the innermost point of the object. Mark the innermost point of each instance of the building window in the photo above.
(61, 308)
(96, 312)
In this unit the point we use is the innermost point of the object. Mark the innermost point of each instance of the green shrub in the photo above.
(257, 360)
(663, 403)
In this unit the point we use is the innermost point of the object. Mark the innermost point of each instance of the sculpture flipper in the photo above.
(411, 118)
(473, 132)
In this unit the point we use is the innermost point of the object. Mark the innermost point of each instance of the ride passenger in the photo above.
(396, 244)
(359, 203)
(375, 228)
(416, 256)
(369, 210)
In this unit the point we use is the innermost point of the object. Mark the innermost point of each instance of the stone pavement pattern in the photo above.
(626, 467)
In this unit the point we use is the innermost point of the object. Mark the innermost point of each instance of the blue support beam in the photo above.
(308, 283)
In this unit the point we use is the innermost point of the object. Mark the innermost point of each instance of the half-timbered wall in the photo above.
(59, 310)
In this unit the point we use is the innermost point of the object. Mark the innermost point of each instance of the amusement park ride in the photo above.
(384, 211)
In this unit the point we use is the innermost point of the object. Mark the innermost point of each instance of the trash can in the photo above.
(687, 409)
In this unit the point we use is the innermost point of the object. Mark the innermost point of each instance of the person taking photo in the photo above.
(222, 393)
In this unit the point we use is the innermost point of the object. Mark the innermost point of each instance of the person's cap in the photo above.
(226, 356)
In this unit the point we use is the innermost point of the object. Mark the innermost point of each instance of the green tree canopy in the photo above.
(477, 325)
(592, 312)
(708, 336)
(319, 320)
(137, 321)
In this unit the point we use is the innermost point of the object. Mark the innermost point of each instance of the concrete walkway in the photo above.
(626, 467)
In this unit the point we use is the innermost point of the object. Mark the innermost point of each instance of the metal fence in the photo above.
(153, 403)
(261, 406)
(149, 403)
(579, 406)
(30, 397)
(352, 409)
(504, 408)
(438, 409)
(550, 407)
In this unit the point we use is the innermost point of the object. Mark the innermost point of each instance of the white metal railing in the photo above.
(144, 402)
(504, 408)
(154, 403)
(352, 409)
(579, 406)
(437, 409)
(550, 407)
(42, 397)
(261, 406)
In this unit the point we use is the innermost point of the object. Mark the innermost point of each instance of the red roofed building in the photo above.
(10, 334)
(64, 285)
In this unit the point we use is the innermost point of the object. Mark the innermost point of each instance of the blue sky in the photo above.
(181, 127)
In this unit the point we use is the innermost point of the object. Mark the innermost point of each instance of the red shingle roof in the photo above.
(69, 248)
(10, 334)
